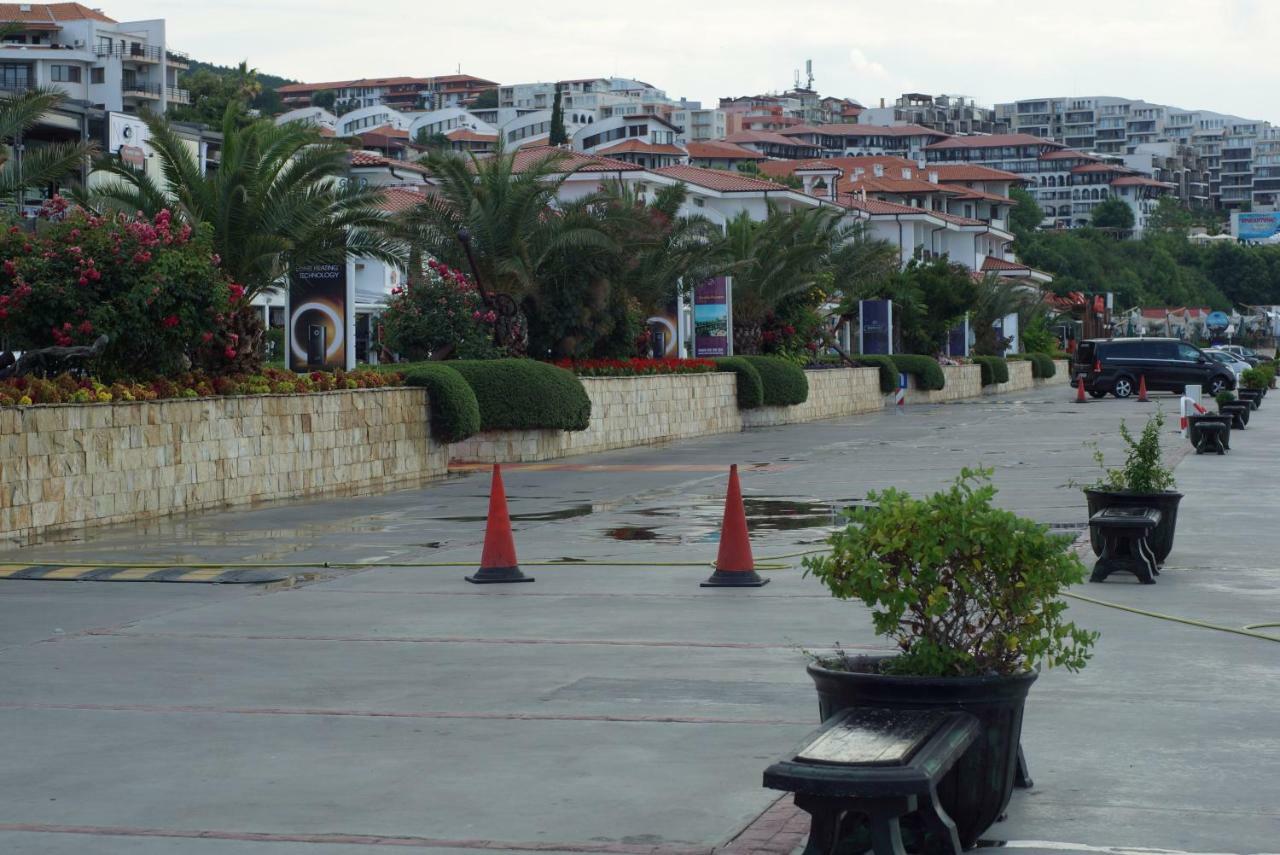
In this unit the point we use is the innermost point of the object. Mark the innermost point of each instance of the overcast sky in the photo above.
(1207, 54)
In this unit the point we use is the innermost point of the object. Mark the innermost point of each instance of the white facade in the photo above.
(314, 117)
(117, 66)
(448, 119)
(376, 116)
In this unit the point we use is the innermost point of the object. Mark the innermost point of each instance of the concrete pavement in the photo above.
(614, 709)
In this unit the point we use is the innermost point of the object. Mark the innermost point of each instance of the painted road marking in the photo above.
(206, 575)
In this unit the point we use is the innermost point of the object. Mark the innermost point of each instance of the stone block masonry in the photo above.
(65, 467)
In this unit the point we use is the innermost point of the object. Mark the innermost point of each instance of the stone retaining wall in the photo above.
(962, 381)
(625, 412)
(1020, 379)
(65, 467)
(1061, 375)
(833, 392)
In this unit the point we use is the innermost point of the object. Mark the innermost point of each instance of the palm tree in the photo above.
(29, 168)
(782, 255)
(277, 199)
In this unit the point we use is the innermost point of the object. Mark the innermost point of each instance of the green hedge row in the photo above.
(888, 371)
(455, 412)
(750, 386)
(994, 369)
(523, 394)
(925, 369)
(785, 383)
(1042, 367)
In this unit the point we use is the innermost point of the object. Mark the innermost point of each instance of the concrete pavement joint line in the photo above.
(391, 639)
(333, 838)
(424, 714)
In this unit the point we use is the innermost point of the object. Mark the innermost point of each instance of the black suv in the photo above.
(1116, 365)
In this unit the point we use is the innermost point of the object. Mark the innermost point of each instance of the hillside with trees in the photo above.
(1162, 268)
(213, 87)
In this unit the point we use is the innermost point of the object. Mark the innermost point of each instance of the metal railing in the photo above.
(177, 57)
(136, 52)
(177, 96)
(146, 90)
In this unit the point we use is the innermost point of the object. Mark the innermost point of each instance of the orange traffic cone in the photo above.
(1080, 390)
(498, 560)
(735, 568)
(1142, 387)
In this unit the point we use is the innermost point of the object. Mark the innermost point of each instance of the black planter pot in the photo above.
(1239, 411)
(976, 790)
(1161, 540)
(1252, 397)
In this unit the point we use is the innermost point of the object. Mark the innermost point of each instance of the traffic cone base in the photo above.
(498, 559)
(1080, 399)
(491, 575)
(735, 579)
(1142, 388)
(735, 568)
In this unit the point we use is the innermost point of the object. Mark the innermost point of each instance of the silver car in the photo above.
(1225, 357)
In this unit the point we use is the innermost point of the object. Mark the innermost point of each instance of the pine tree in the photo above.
(558, 134)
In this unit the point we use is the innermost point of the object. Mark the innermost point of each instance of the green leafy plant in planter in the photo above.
(1253, 378)
(1143, 481)
(1225, 397)
(963, 588)
(969, 594)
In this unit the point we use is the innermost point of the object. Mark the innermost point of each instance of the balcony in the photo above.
(174, 95)
(135, 89)
(177, 59)
(130, 53)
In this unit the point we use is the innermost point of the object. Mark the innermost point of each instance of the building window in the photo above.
(14, 75)
(97, 75)
(64, 73)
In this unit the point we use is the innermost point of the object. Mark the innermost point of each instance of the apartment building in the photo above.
(863, 140)
(121, 66)
(399, 93)
(1117, 126)
(950, 114)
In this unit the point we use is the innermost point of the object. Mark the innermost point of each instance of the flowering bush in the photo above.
(66, 389)
(152, 287)
(635, 367)
(443, 315)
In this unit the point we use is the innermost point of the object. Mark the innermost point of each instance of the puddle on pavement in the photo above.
(647, 533)
(570, 512)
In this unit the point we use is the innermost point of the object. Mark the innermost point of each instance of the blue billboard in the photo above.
(1260, 226)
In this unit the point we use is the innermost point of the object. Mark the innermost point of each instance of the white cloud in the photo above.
(866, 67)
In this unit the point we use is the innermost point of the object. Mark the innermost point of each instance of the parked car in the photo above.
(1117, 365)
(1250, 356)
(1237, 365)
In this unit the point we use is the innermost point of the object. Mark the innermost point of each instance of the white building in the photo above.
(121, 66)
(314, 117)
(644, 140)
(376, 116)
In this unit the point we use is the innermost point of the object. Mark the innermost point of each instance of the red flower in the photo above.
(169, 321)
(229, 353)
(206, 337)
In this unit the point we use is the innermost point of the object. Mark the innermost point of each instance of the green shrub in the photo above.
(1143, 470)
(1254, 378)
(750, 386)
(785, 383)
(961, 587)
(925, 369)
(523, 394)
(1042, 367)
(455, 412)
(888, 370)
(994, 369)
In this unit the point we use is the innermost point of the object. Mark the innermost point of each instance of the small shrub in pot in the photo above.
(1143, 481)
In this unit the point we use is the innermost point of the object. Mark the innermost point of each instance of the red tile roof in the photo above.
(721, 150)
(719, 180)
(993, 264)
(640, 147)
(468, 135)
(1139, 181)
(969, 194)
(347, 84)
(44, 15)
(397, 199)
(893, 184)
(993, 140)
(970, 172)
(366, 159)
(835, 130)
(765, 137)
(571, 161)
(877, 206)
(781, 168)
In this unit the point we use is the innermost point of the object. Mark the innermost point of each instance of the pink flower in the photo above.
(10, 268)
(229, 353)
(85, 328)
(169, 321)
(237, 291)
(206, 337)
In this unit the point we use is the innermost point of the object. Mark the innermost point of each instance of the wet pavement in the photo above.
(613, 708)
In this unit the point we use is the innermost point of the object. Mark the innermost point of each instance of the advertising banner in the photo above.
(875, 330)
(321, 323)
(1259, 226)
(713, 318)
(664, 332)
